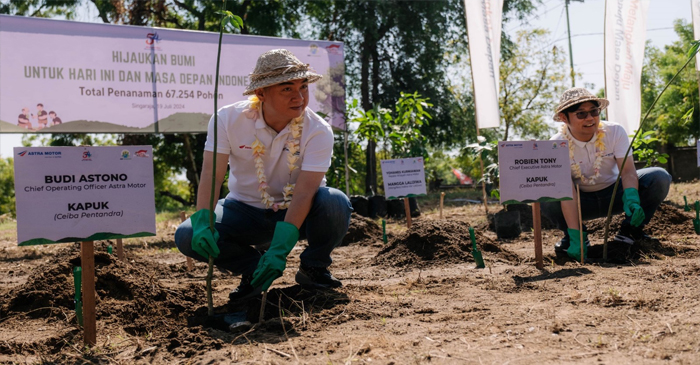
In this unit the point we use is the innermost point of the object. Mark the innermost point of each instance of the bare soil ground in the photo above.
(417, 299)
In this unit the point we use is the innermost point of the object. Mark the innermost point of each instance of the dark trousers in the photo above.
(654, 183)
(241, 227)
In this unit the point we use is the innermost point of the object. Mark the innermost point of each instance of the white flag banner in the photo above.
(625, 37)
(695, 8)
(484, 29)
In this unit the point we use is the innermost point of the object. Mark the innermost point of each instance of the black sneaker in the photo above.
(563, 245)
(316, 277)
(244, 291)
(630, 235)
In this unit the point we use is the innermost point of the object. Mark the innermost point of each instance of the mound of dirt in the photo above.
(128, 294)
(362, 231)
(667, 219)
(436, 242)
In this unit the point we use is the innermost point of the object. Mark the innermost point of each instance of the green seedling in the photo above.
(384, 231)
(686, 208)
(475, 251)
(696, 221)
(78, 280)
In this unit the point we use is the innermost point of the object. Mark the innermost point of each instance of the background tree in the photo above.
(531, 79)
(677, 113)
(7, 187)
(398, 46)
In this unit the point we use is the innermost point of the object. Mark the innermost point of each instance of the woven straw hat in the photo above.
(575, 96)
(278, 66)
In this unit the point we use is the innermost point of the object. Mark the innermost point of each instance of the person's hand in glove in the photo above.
(633, 209)
(272, 263)
(203, 239)
(574, 250)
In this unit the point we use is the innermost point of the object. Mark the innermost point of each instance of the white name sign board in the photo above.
(534, 171)
(68, 194)
(403, 177)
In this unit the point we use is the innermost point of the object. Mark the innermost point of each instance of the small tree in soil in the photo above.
(695, 45)
(226, 18)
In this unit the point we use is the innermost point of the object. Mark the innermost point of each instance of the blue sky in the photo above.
(587, 21)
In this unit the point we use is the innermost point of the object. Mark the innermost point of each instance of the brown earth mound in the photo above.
(436, 242)
(362, 231)
(667, 219)
(129, 295)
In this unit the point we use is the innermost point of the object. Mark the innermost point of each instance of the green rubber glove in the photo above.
(203, 239)
(272, 263)
(574, 250)
(631, 204)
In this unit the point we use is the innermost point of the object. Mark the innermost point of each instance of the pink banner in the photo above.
(70, 77)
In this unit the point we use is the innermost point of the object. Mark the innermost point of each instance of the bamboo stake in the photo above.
(190, 262)
(87, 261)
(407, 208)
(442, 199)
(537, 226)
(120, 250)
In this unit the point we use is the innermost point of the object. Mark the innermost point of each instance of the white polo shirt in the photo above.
(616, 144)
(236, 134)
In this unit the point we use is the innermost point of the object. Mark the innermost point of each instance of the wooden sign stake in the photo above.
(442, 199)
(87, 260)
(407, 207)
(190, 262)
(537, 225)
(120, 250)
(580, 221)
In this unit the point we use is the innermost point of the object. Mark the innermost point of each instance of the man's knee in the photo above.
(656, 181)
(183, 237)
(334, 202)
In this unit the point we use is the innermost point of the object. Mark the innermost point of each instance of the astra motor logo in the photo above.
(45, 154)
(516, 145)
(87, 155)
(152, 38)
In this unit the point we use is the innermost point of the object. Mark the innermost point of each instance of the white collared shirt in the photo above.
(236, 133)
(616, 144)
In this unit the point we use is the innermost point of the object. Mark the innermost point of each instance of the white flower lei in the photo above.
(599, 150)
(292, 158)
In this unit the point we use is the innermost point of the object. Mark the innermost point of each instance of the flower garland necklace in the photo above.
(292, 158)
(599, 150)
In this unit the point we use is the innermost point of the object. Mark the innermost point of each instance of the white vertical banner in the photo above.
(625, 37)
(695, 9)
(484, 30)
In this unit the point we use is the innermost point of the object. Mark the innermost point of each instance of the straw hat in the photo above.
(278, 66)
(575, 96)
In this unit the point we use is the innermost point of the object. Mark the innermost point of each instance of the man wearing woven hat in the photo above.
(596, 152)
(278, 152)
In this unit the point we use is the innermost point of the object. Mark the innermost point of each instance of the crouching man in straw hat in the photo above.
(596, 151)
(278, 152)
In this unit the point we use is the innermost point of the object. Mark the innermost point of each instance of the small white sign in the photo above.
(403, 177)
(68, 194)
(534, 171)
